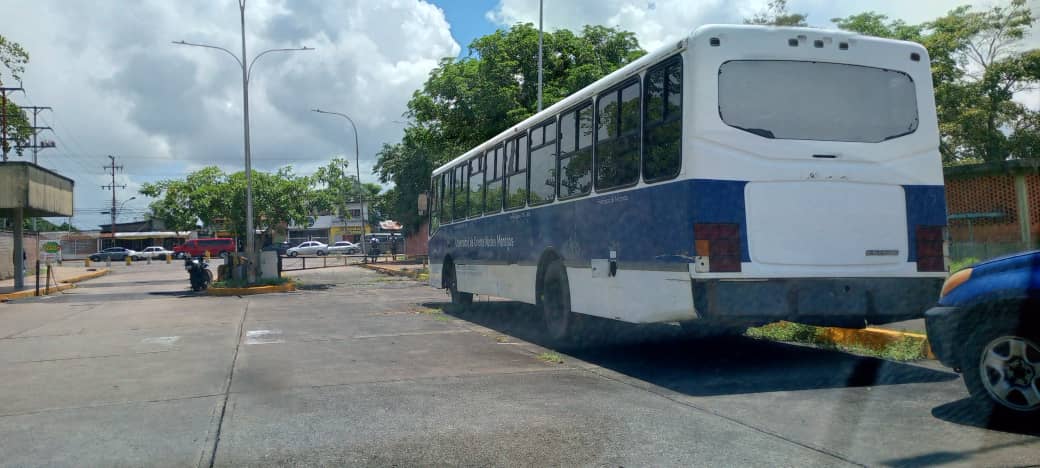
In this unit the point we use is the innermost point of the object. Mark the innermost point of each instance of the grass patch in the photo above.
(501, 339)
(243, 284)
(906, 349)
(550, 357)
(962, 264)
(442, 317)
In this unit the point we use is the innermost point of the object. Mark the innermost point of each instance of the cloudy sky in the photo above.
(118, 86)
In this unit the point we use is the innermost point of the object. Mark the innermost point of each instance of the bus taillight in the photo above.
(720, 243)
(930, 249)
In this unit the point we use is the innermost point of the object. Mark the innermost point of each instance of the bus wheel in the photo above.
(457, 297)
(561, 324)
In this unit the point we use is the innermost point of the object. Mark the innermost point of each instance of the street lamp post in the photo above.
(357, 166)
(246, 73)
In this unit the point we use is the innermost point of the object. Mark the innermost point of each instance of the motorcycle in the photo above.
(198, 273)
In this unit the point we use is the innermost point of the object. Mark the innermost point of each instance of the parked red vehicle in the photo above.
(218, 246)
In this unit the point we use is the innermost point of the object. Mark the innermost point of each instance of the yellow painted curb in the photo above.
(873, 338)
(32, 292)
(86, 276)
(276, 288)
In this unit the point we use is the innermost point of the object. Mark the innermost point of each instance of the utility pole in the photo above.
(36, 130)
(3, 118)
(112, 167)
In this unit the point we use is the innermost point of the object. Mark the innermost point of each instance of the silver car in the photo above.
(344, 248)
(309, 248)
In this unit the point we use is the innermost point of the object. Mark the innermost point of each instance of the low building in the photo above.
(331, 228)
(140, 234)
(993, 208)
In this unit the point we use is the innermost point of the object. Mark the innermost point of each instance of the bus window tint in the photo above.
(576, 152)
(662, 128)
(795, 100)
(493, 175)
(516, 170)
(448, 200)
(617, 137)
(461, 192)
(543, 164)
(476, 186)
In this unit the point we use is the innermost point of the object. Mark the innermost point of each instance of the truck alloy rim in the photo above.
(1010, 368)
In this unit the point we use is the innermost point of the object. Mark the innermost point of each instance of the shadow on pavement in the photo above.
(965, 413)
(659, 354)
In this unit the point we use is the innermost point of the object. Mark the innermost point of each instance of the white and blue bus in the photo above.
(740, 176)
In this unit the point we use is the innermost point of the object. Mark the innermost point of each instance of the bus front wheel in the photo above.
(451, 282)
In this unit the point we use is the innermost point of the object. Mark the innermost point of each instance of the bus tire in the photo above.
(458, 298)
(562, 325)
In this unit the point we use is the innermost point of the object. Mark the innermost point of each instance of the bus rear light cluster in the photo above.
(719, 244)
(931, 248)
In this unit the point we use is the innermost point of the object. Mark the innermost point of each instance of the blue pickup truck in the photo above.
(987, 327)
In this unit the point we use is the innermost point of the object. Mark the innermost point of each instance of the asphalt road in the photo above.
(132, 369)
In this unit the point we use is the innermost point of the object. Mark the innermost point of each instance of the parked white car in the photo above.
(344, 248)
(155, 252)
(309, 248)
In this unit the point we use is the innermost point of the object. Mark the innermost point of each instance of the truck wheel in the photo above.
(1001, 366)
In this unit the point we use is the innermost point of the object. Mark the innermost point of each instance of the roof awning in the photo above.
(152, 235)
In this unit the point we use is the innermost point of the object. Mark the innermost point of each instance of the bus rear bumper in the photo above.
(840, 302)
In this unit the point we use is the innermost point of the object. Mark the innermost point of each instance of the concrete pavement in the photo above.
(363, 369)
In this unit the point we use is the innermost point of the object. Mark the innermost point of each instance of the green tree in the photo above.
(977, 68)
(467, 101)
(776, 14)
(13, 58)
(217, 198)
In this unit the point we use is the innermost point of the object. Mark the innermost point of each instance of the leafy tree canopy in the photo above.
(469, 100)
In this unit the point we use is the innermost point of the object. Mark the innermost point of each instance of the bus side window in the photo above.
(495, 165)
(476, 186)
(543, 163)
(617, 137)
(461, 192)
(516, 173)
(576, 152)
(449, 198)
(435, 199)
(662, 123)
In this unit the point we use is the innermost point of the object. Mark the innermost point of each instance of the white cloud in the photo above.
(119, 87)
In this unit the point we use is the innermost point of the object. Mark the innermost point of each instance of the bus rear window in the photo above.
(817, 100)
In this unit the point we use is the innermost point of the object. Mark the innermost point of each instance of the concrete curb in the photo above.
(87, 276)
(32, 292)
(873, 338)
(389, 271)
(62, 285)
(277, 288)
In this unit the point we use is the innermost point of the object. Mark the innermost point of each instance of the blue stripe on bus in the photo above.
(646, 225)
(925, 206)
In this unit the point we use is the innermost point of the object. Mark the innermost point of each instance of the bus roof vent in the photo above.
(792, 42)
(715, 42)
(843, 45)
(915, 56)
(817, 44)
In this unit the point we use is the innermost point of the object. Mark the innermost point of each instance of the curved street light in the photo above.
(357, 166)
(246, 73)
